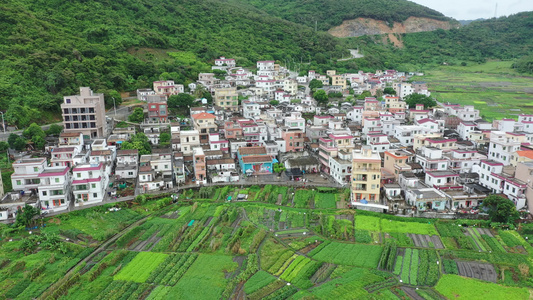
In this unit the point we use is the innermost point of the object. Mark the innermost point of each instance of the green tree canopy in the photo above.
(164, 138)
(33, 130)
(363, 95)
(315, 84)
(181, 101)
(140, 142)
(500, 209)
(137, 116)
(274, 102)
(414, 99)
(321, 97)
(54, 130)
(389, 91)
(25, 215)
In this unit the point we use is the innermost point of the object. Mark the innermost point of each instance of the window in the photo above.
(438, 180)
(44, 193)
(130, 173)
(78, 175)
(19, 182)
(93, 185)
(95, 195)
(57, 180)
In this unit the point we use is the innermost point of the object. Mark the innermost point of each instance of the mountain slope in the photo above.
(326, 14)
(48, 48)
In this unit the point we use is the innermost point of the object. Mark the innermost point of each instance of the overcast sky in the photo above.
(474, 9)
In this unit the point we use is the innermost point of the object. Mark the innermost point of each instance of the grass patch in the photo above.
(139, 269)
(457, 287)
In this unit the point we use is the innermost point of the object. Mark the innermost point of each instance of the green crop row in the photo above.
(139, 269)
(406, 265)
(350, 254)
(258, 281)
(414, 268)
(450, 266)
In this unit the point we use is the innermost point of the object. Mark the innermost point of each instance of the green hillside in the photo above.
(505, 38)
(330, 13)
(50, 48)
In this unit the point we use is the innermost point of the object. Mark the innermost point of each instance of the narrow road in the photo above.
(354, 53)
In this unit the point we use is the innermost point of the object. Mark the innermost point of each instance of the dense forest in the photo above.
(329, 13)
(505, 38)
(49, 48)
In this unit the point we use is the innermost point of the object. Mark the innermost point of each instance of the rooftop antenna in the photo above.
(496, 10)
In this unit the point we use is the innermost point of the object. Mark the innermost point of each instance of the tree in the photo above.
(139, 142)
(4, 146)
(110, 96)
(315, 84)
(414, 99)
(389, 91)
(279, 168)
(54, 130)
(20, 143)
(12, 139)
(137, 116)
(32, 131)
(38, 142)
(363, 95)
(25, 215)
(379, 93)
(500, 209)
(164, 138)
(181, 101)
(274, 102)
(321, 97)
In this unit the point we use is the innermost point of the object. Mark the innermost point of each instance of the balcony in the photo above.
(360, 178)
(359, 187)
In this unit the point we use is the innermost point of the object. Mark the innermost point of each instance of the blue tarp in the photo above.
(274, 160)
(190, 223)
(364, 201)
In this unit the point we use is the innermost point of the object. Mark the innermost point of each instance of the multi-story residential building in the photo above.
(503, 145)
(294, 139)
(205, 124)
(157, 108)
(265, 65)
(225, 62)
(188, 140)
(290, 86)
(440, 179)
(378, 142)
(465, 128)
(521, 156)
(178, 166)
(55, 188)
(394, 104)
(255, 160)
(426, 199)
(142, 93)
(25, 177)
(84, 113)
(268, 86)
(89, 184)
(127, 164)
(340, 167)
(251, 109)
(207, 79)
(462, 161)
(227, 98)
(295, 121)
(167, 87)
(395, 162)
(199, 163)
(403, 89)
(431, 159)
(366, 175)
(338, 80)
(371, 125)
(406, 134)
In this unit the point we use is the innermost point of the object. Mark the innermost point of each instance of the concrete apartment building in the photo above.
(366, 175)
(227, 98)
(84, 113)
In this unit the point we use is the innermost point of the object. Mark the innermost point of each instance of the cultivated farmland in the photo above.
(269, 247)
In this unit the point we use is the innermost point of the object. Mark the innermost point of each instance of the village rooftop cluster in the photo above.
(392, 157)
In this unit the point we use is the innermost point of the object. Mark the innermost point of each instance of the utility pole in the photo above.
(3, 123)
(114, 107)
(316, 25)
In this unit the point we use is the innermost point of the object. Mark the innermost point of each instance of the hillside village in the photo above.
(265, 123)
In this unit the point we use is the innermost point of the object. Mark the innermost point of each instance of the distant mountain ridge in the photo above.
(348, 18)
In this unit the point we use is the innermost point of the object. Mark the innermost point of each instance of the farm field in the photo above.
(269, 247)
(493, 88)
